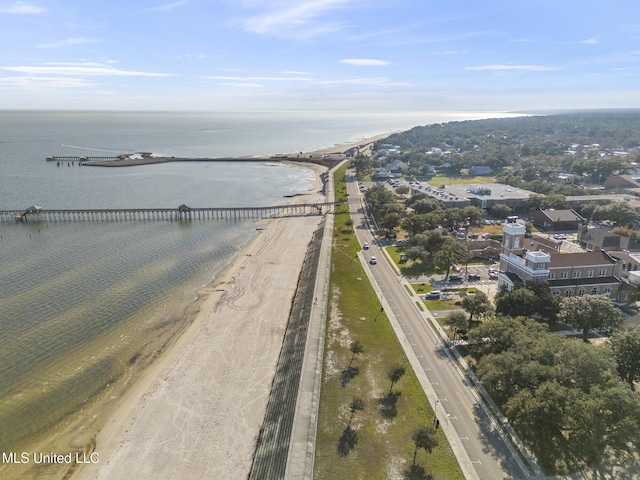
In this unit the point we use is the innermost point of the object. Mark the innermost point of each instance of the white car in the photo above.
(365, 245)
(373, 261)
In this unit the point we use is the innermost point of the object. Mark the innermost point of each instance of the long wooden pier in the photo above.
(166, 214)
(81, 160)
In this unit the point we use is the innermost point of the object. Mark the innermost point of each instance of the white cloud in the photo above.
(302, 19)
(449, 52)
(365, 62)
(81, 70)
(241, 85)
(588, 41)
(366, 81)
(267, 79)
(69, 42)
(190, 56)
(22, 8)
(48, 82)
(514, 68)
(168, 6)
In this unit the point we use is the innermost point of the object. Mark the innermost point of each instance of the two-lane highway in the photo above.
(472, 433)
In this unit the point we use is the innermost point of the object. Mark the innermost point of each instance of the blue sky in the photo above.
(364, 55)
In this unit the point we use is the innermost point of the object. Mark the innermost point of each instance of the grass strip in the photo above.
(375, 441)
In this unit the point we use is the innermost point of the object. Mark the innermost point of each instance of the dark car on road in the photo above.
(455, 278)
(473, 276)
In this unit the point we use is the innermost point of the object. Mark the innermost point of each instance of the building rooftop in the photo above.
(581, 258)
(497, 191)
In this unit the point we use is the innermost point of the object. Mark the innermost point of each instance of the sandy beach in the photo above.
(196, 412)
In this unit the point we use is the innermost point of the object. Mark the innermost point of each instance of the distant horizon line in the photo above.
(524, 111)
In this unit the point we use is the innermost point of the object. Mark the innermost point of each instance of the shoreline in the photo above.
(118, 441)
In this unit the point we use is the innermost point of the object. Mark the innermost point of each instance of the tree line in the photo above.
(574, 403)
(525, 152)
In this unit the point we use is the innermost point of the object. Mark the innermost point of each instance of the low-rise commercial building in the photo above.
(568, 274)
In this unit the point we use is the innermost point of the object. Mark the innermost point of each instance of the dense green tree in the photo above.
(538, 415)
(503, 333)
(625, 345)
(563, 397)
(402, 189)
(534, 202)
(450, 252)
(476, 304)
(474, 216)
(414, 223)
(458, 321)
(390, 221)
(618, 212)
(529, 299)
(413, 253)
(588, 209)
(602, 424)
(516, 302)
(425, 205)
(501, 210)
(430, 242)
(554, 200)
(362, 164)
(589, 313)
(378, 199)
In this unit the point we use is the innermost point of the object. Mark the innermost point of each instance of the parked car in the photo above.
(433, 295)
(373, 261)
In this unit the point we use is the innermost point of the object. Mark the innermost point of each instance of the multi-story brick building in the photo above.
(568, 274)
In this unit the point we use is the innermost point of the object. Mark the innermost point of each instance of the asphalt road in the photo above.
(473, 434)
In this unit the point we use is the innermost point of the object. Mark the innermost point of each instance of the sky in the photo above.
(339, 55)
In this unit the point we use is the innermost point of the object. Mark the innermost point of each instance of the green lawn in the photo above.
(381, 446)
(410, 268)
(459, 180)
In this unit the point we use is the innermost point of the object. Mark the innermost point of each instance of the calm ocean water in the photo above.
(84, 305)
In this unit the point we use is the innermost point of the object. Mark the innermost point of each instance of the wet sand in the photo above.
(196, 412)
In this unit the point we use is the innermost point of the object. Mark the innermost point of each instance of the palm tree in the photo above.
(356, 347)
(395, 375)
(357, 404)
(424, 438)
